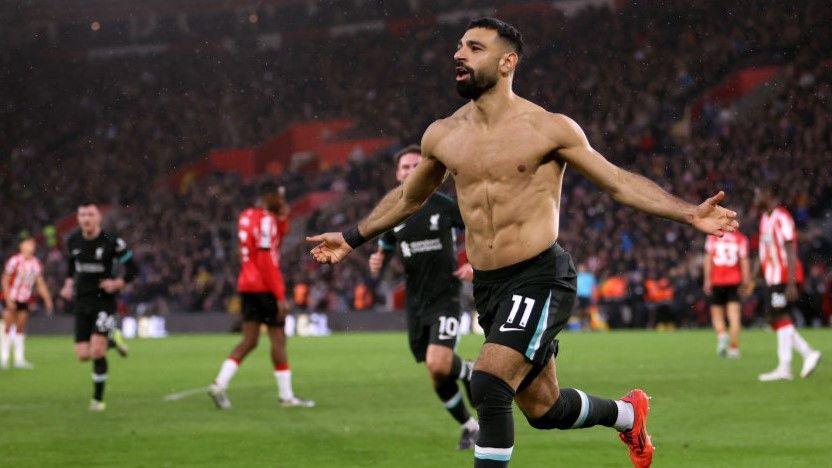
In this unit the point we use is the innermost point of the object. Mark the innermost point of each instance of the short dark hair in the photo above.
(506, 31)
(87, 202)
(267, 188)
(407, 150)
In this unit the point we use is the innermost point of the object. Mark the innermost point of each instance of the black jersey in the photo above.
(426, 245)
(92, 260)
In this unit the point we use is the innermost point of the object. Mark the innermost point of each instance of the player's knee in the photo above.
(536, 404)
(438, 368)
(490, 395)
(248, 345)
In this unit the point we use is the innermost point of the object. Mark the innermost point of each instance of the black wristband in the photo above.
(353, 237)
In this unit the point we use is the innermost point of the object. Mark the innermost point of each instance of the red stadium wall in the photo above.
(308, 146)
(734, 86)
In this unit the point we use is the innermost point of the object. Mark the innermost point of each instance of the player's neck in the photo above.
(494, 104)
(92, 234)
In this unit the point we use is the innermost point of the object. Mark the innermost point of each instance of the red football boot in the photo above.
(637, 439)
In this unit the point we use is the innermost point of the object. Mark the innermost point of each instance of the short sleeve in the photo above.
(709, 245)
(743, 244)
(786, 226)
(387, 241)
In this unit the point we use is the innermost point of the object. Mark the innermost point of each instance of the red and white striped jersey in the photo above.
(777, 228)
(260, 234)
(726, 252)
(22, 273)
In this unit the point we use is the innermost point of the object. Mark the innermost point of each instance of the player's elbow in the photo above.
(410, 204)
(616, 185)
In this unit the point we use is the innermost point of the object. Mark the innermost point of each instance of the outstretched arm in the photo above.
(394, 208)
(404, 200)
(632, 189)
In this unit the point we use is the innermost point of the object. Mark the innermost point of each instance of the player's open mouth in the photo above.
(462, 73)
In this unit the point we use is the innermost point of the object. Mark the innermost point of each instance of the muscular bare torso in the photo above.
(508, 180)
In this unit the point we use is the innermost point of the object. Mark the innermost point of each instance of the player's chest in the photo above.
(513, 152)
(92, 253)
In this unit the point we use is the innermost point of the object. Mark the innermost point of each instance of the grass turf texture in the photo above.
(376, 407)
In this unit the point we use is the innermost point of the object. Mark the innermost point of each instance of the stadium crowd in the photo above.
(107, 130)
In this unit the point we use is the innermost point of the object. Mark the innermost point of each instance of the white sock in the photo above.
(284, 384)
(784, 348)
(227, 371)
(799, 343)
(19, 348)
(5, 347)
(626, 416)
(472, 425)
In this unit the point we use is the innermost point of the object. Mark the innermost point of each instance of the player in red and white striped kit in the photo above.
(783, 274)
(263, 294)
(726, 270)
(21, 275)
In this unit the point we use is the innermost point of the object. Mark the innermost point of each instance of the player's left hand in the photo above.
(111, 286)
(711, 218)
(465, 272)
(331, 248)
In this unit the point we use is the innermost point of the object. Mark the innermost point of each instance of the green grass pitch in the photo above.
(376, 407)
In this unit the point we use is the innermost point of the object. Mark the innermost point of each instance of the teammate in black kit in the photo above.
(426, 245)
(93, 257)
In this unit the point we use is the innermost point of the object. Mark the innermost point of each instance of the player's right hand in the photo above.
(331, 248)
(10, 305)
(66, 291)
(706, 288)
(376, 261)
(711, 218)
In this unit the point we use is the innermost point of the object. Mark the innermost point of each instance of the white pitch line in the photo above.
(184, 394)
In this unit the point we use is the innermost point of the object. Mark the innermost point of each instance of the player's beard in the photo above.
(476, 84)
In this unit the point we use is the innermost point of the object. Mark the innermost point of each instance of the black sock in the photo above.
(575, 409)
(111, 343)
(492, 398)
(99, 377)
(451, 397)
(462, 370)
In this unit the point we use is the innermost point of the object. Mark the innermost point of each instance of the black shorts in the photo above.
(262, 308)
(722, 295)
(93, 317)
(525, 305)
(776, 302)
(438, 329)
(21, 306)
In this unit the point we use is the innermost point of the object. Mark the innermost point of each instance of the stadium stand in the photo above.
(733, 95)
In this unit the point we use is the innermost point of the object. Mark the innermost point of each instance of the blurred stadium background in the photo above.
(173, 112)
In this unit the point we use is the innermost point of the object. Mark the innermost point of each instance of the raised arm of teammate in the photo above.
(632, 189)
(398, 205)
